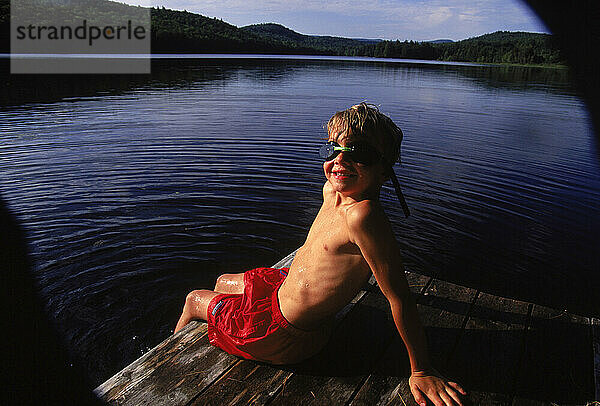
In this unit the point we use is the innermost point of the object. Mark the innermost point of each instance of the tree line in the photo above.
(499, 47)
(176, 31)
(184, 32)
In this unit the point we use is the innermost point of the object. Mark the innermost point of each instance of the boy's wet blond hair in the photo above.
(365, 120)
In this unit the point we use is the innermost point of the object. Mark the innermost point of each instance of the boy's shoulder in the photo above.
(366, 218)
(363, 212)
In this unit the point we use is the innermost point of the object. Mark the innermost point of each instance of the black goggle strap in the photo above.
(399, 193)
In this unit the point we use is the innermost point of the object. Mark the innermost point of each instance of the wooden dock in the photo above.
(503, 351)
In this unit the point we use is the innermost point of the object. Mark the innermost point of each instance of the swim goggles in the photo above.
(366, 155)
(363, 154)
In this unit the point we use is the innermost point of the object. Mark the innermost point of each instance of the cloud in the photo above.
(390, 19)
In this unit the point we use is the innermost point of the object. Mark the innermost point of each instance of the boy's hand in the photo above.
(431, 384)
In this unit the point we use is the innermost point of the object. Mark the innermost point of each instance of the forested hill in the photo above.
(171, 31)
(182, 31)
(499, 47)
(185, 32)
(506, 47)
(328, 44)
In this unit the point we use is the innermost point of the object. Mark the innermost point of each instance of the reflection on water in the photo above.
(134, 190)
(167, 72)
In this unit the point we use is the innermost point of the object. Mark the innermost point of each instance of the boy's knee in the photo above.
(222, 281)
(193, 296)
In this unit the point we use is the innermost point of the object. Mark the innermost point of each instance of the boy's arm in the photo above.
(370, 230)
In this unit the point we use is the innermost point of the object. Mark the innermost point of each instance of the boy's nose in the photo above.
(342, 156)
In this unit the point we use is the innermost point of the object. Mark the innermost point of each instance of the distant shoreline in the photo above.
(181, 55)
(182, 32)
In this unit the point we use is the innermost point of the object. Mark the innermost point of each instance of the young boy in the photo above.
(282, 316)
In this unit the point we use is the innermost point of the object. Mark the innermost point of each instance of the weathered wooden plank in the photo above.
(125, 380)
(388, 384)
(444, 309)
(447, 304)
(488, 399)
(528, 402)
(179, 378)
(398, 393)
(385, 385)
(558, 362)
(417, 283)
(487, 358)
(498, 313)
(246, 383)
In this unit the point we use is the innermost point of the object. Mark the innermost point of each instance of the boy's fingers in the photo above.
(446, 399)
(437, 400)
(418, 395)
(454, 397)
(450, 398)
(457, 387)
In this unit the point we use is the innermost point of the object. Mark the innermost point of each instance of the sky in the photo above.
(418, 20)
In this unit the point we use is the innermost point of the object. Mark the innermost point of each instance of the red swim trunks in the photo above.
(251, 325)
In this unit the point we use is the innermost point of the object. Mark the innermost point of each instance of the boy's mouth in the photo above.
(342, 174)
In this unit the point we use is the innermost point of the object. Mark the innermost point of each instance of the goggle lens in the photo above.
(361, 154)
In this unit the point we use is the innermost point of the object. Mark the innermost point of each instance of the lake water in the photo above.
(134, 190)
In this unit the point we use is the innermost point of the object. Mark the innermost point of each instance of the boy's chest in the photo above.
(329, 230)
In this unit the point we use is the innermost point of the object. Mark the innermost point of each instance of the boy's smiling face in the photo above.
(350, 178)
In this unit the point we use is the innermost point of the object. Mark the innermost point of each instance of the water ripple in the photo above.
(133, 197)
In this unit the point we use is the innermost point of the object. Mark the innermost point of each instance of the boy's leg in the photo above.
(196, 307)
(230, 283)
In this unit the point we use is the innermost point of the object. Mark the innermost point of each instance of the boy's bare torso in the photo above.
(327, 271)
